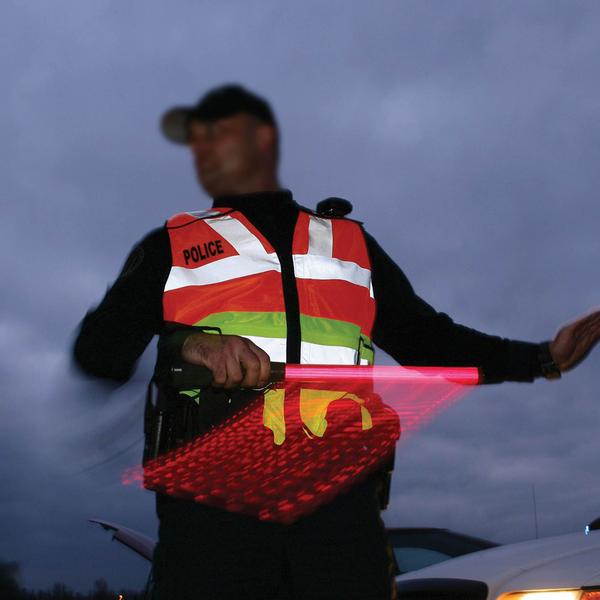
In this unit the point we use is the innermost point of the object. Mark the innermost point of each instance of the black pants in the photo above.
(339, 551)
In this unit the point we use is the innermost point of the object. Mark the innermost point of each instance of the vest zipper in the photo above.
(292, 307)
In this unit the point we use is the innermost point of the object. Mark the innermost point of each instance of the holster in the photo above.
(172, 419)
(158, 423)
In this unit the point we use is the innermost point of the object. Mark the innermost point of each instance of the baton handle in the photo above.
(187, 376)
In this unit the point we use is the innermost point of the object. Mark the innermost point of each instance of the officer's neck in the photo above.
(258, 198)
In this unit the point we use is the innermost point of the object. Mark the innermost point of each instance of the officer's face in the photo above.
(226, 152)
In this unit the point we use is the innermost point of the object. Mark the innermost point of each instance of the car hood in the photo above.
(139, 543)
(566, 561)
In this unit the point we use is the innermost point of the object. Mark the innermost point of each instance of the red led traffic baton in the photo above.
(195, 376)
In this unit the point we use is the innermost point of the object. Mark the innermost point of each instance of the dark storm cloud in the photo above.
(466, 136)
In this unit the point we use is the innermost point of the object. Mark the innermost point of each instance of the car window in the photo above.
(410, 559)
(447, 542)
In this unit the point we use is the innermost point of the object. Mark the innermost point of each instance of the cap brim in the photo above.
(174, 124)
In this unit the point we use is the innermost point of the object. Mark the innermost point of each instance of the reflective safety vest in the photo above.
(226, 275)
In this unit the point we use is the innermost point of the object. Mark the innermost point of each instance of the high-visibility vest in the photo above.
(226, 275)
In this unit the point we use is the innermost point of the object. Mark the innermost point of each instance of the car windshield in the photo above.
(410, 559)
(420, 547)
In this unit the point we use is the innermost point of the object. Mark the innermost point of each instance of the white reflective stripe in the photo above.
(317, 354)
(276, 348)
(221, 270)
(203, 214)
(320, 236)
(238, 235)
(312, 266)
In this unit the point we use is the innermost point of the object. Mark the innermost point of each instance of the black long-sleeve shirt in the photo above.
(114, 335)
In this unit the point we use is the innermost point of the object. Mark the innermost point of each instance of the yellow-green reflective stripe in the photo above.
(330, 332)
(315, 330)
(260, 324)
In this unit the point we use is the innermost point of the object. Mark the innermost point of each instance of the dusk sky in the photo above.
(467, 136)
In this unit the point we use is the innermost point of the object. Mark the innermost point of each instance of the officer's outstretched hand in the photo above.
(575, 341)
(235, 362)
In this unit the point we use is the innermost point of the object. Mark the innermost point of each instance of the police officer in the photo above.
(339, 551)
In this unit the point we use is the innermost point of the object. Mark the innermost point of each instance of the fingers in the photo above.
(575, 341)
(219, 371)
(584, 324)
(235, 374)
(226, 368)
(262, 363)
(265, 368)
(255, 365)
(589, 338)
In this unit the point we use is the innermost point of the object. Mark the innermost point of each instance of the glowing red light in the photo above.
(381, 374)
(306, 441)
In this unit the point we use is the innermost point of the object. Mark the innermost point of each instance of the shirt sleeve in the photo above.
(415, 334)
(112, 336)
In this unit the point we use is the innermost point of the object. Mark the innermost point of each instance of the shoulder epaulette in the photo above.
(185, 218)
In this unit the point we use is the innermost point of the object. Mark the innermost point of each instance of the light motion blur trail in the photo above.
(306, 439)
(416, 394)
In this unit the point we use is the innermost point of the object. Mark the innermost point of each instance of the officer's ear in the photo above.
(267, 138)
(267, 141)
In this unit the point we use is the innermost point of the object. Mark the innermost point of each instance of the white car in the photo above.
(565, 567)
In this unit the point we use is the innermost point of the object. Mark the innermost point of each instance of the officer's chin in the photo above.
(213, 188)
(206, 184)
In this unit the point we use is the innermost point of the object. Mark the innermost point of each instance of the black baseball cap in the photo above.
(220, 102)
